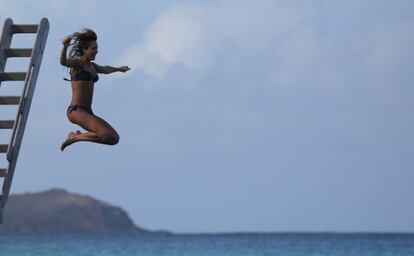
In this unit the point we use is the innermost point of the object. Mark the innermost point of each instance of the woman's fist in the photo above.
(124, 69)
(66, 40)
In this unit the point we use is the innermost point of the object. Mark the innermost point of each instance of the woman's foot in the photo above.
(69, 140)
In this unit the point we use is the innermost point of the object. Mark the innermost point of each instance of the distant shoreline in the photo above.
(155, 234)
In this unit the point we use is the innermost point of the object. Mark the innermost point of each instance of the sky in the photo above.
(237, 116)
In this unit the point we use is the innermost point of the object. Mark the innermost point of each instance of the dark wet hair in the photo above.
(81, 40)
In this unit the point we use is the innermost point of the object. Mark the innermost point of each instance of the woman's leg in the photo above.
(98, 130)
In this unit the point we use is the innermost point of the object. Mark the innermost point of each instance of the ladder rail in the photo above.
(5, 42)
(19, 115)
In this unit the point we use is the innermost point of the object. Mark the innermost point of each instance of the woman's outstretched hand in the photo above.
(124, 69)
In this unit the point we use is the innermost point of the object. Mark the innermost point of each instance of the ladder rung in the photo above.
(24, 28)
(12, 76)
(9, 100)
(6, 124)
(3, 148)
(3, 172)
(18, 52)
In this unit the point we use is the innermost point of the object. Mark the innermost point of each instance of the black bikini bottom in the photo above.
(74, 107)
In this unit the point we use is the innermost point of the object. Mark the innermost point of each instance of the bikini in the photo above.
(84, 75)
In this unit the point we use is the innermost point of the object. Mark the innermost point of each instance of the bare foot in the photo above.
(69, 140)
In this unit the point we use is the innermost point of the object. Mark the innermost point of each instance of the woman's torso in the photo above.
(82, 91)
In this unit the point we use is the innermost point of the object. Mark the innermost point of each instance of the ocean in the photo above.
(240, 244)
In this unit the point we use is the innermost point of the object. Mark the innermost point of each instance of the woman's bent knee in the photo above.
(114, 139)
(110, 138)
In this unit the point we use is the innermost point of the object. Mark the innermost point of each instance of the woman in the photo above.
(84, 73)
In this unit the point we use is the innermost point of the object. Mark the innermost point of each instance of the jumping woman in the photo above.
(84, 73)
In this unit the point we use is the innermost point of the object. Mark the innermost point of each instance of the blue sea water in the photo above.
(255, 244)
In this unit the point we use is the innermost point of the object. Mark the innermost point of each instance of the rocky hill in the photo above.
(57, 211)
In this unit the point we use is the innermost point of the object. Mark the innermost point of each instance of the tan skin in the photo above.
(97, 129)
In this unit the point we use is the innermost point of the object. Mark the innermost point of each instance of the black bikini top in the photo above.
(84, 75)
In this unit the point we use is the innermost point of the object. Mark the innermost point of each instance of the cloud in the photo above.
(289, 43)
(192, 34)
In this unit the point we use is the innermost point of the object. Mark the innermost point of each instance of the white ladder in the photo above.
(24, 100)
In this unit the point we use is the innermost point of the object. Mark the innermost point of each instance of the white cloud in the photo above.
(176, 36)
(292, 40)
(192, 33)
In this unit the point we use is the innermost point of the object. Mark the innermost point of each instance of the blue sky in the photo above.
(236, 115)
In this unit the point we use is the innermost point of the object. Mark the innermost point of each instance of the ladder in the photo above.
(24, 100)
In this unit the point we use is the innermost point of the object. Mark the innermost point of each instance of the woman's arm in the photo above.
(109, 69)
(63, 60)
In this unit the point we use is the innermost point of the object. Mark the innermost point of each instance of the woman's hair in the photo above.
(81, 40)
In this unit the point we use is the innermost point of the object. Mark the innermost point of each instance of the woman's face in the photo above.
(91, 50)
